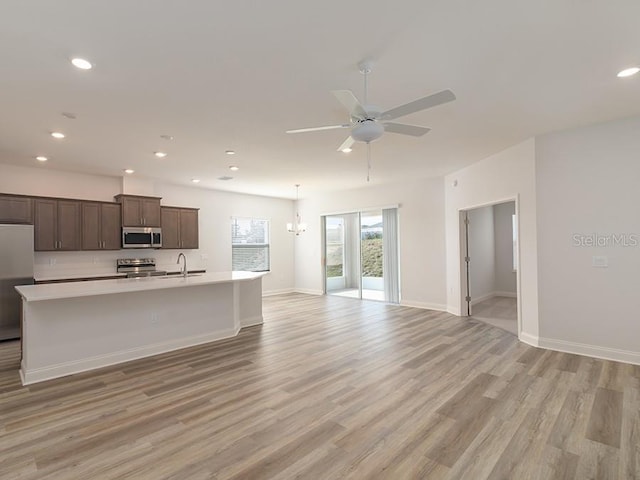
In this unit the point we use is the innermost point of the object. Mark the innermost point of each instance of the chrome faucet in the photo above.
(184, 268)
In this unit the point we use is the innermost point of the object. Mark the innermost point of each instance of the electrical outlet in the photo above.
(154, 319)
(204, 256)
(52, 261)
(95, 260)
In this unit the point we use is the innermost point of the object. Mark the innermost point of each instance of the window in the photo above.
(250, 244)
(514, 226)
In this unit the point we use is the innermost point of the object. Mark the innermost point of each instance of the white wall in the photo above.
(421, 232)
(505, 276)
(504, 176)
(216, 210)
(482, 271)
(52, 183)
(588, 184)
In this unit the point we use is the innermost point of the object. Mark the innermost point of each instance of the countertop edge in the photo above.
(90, 288)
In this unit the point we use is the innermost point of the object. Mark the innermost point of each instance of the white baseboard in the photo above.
(427, 306)
(251, 321)
(529, 339)
(475, 300)
(454, 311)
(605, 353)
(101, 361)
(282, 291)
(505, 294)
(596, 351)
(309, 291)
(493, 295)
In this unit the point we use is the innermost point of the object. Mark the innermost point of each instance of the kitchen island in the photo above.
(74, 327)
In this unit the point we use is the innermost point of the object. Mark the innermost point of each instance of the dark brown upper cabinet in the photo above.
(179, 227)
(101, 226)
(140, 211)
(57, 224)
(16, 209)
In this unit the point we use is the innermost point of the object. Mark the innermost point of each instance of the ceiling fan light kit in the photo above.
(367, 131)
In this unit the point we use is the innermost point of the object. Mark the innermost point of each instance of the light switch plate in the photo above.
(600, 262)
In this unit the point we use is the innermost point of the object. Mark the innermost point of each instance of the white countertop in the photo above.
(53, 291)
(75, 276)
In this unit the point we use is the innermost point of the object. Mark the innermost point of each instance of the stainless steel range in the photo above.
(138, 267)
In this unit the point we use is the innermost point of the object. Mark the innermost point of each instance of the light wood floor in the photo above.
(331, 388)
(498, 311)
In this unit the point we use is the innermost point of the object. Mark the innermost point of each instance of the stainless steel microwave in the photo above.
(141, 237)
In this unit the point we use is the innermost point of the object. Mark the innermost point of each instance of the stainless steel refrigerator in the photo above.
(16, 268)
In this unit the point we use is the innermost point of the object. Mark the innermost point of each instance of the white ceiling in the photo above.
(235, 75)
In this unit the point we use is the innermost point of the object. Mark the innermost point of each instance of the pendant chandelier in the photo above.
(297, 227)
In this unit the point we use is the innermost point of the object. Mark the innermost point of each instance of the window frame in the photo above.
(514, 236)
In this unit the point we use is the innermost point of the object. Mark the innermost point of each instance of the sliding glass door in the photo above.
(361, 255)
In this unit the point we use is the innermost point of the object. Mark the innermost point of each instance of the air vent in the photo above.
(225, 178)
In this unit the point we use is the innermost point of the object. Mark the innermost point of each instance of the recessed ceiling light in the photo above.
(234, 168)
(166, 137)
(195, 180)
(230, 152)
(57, 135)
(129, 170)
(225, 178)
(627, 72)
(347, 150)
(69, 115)
(160, 154)
(40, 158)
(81, 63)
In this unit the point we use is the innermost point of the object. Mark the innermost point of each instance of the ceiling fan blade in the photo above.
(351, 103)
(412, 130)
(420, 104)
(317, 129)
(348, 143)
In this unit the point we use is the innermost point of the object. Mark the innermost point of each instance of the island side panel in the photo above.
(72, 335)
(250, 304)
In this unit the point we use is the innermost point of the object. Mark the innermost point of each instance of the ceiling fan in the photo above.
(369, 122)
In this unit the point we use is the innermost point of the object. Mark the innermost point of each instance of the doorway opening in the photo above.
(361, 255)
(490, 260)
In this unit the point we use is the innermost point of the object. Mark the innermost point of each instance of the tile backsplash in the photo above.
(52, 264)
